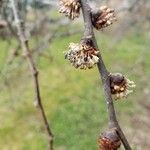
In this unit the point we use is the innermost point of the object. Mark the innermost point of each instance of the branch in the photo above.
(34, 72)
(104, 73)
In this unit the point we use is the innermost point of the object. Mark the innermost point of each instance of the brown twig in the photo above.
(34, 72)
(104, 73)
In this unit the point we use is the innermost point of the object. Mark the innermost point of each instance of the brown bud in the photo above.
(109, 140)
(70, 8)
(103, 17)
(120, 85)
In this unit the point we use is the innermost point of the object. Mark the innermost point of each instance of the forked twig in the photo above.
(34, 72)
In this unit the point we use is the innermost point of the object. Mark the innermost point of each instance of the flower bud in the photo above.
(70, 8)
(103, 17)
(120, 86)
(109, 140)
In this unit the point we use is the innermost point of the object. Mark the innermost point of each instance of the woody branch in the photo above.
(34, 72)
(104, 74)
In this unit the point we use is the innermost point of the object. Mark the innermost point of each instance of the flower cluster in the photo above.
(109, 140)
(120, 86)
(70, 8)
(103, 17)
(82, 55)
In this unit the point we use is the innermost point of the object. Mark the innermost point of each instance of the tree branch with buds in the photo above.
(86, 54)
(34, 72)
(105, 75)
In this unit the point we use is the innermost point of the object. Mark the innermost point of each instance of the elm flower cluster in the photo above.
(70, 8)
(104, 17)
(82, 55)
(120, 85)
(109, 140)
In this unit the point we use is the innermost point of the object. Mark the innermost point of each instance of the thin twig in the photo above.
(34, 72)
(104, 73)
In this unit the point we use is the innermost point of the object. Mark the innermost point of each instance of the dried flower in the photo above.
(70, 8)
(103, 17)
(109, 140)
(120, 86)
(82, 55)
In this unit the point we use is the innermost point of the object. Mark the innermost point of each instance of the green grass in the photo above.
(73, 99)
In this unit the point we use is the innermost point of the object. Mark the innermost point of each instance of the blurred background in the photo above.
(73, 99)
